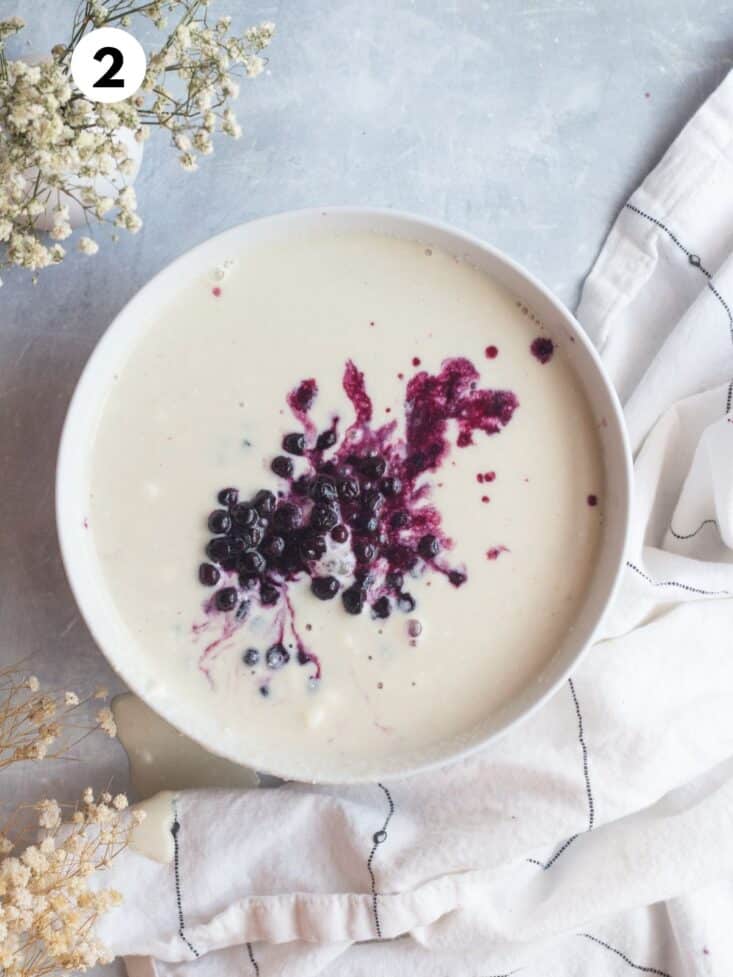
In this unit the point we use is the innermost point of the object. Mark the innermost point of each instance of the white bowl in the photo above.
(140, 314)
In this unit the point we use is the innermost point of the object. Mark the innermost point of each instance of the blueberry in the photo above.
(291, 560)
(228, 496)
(368, 523)
(287, 517)
(264, 502)
(414, 628)
(400, 519)
(312, 547)
(302, 485)
(325, 588)
(348, 489)
(382, 607)
(339, 533)
(353, 599)
(373, 466)
(324, 517)
(274, 547)
(282, 466)
(391, 486)
(226, 598)
(294, 444)
(219, 521)
(364, 552)
(208, 575)
(242, 610)
(406, 603)
(277, 656)
(326, 439)
(457, 578)
(244, 514)
(248, 581)
(324, 489)
(269, 594)
(373, 501)
(250, 538)
(251, 657)
(236, 543)
(428, 547)
(219, 549)
(251, 561)
(395, 580)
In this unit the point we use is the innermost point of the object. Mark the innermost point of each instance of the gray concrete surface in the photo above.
(526, 122)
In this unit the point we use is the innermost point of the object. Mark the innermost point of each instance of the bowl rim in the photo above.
(68, 455)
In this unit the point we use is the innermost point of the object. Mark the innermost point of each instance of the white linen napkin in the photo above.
(596, 838)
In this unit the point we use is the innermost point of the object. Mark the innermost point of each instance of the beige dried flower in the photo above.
(48, 912)
(56, 148)
(87, 245)
(48, 906)
(35, 724)
(106, 722)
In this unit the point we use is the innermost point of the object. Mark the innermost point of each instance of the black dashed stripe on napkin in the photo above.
(676, 583)
(253, 960)
(636, 966)
(378, 839)
(696, 262)
(175, 831)
(705, 522)
(588, 789)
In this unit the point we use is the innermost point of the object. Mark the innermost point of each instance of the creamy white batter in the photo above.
(201, 405)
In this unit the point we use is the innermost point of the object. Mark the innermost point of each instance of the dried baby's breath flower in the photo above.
(50, 814)
(35, 724)
(57, 147)
(48, 905)
(87, 246)
(106, 722)
(48, 911)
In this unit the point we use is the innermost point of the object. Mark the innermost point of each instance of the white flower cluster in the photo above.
(47, 909)
(56, 146)
(193, 77)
